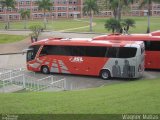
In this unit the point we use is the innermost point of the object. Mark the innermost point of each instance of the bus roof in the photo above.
(153, 36)
(85, 42)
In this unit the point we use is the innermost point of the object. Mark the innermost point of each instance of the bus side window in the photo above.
(57, 50)
(111, 52)
(44, 51)
(77, 50)
(152, 45)
(66, 50)
(147, 45)
(94, 51)
(155, 46)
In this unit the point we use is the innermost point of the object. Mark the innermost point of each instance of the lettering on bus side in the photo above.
(76, 59)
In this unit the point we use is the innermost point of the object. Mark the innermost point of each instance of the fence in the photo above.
(8, 73)
(60, 84)
(44, 83)
(20, 77)
(2, 70)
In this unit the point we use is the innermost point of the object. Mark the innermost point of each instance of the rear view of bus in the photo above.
(104, 58)
(151, 41)
(126, 61)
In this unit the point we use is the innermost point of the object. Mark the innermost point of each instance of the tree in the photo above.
(7, 4)
(117, 5)
(25, 14)
(113, 5)
(90, 8)
(36, 30)
(126, 24)
(113, 24)
(45, 6)
(119, 26)
(148, 3)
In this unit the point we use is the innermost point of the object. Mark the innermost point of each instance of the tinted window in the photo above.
(152, 45)
(77, 50)
(90, 51)
(96, 51)
(55, 50)
(44, 51)
(126, 52)
(31, 54)
(112, 52)
(121, 52)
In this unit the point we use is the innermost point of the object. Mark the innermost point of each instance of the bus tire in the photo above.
(45, 70)
(105, 74)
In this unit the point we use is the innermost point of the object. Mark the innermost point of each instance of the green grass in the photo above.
(5, 38)
(141, 25)
(51, 25)
(141, 96)
(66, 24)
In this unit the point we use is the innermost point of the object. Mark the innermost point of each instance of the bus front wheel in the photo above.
(45, 69)
(105, 74)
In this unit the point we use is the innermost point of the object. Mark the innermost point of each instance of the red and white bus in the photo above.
(152, 46)
(87, 57)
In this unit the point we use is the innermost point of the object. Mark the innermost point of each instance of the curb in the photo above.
(13, 53)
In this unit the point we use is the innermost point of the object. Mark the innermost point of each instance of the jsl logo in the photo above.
(76, 59)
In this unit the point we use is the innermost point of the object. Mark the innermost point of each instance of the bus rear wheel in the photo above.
(45, 70)
(105, 74)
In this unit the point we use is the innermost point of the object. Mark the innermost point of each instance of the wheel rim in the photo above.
(105, 75)
(45, 70)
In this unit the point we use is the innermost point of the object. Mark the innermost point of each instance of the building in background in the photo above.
(132, 10)
(135, 11)
(71, 9)
(103, 10)
(60, 9)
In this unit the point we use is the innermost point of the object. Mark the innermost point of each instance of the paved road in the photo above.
(70, 35)
(11, 61)
(52, 34)
(74, 81)
(19, 46)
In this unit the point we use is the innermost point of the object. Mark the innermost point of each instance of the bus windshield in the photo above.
(31, 53)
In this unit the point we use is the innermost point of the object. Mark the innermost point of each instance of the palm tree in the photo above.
(117, 5)
(113, 24)
(8, 4)
(25, 15)
(45, 6)
(148, 3)
(90, 8)
(113, 5)
(127, 23)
